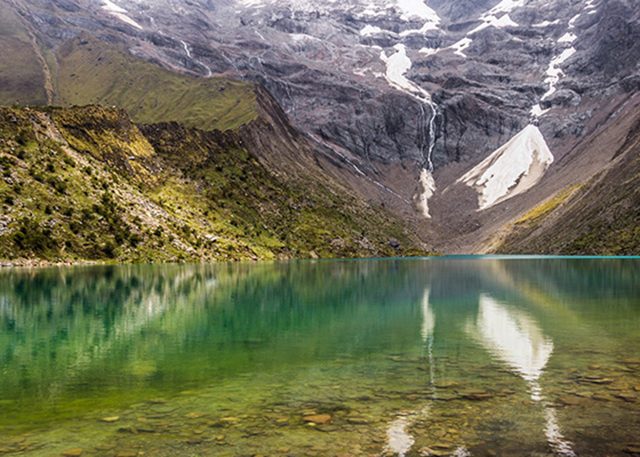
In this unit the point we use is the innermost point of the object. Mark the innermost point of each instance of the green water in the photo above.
(450, 356)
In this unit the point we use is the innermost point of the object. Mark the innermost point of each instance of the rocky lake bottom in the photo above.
(397, 357)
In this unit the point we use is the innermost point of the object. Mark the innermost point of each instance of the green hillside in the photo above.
(91, 72)
(87, 183)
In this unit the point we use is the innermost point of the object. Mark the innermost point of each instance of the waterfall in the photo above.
(427, 133)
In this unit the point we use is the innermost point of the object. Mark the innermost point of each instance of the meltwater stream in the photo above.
(414, 357)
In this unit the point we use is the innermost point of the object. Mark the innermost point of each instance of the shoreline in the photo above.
(39, 263)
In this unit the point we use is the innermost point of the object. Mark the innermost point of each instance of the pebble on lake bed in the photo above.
(319, 419)
(127, 453)
(75, 452)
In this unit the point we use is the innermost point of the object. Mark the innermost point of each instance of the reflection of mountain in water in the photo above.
(177, 327)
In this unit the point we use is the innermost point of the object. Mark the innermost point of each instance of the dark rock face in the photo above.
(322, 65)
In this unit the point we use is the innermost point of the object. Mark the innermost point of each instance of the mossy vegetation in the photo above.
(92, 72)
(86, 183)
(548, 206)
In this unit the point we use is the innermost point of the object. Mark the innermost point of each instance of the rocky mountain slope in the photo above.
(603, 214)
(459, 117)
(87, 184)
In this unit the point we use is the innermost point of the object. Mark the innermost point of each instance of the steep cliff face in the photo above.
(88, 184)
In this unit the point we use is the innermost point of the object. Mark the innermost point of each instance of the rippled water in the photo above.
(451, 356)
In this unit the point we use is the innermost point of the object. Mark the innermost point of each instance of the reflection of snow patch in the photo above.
(428, 318)
(554, 435)
(513, 337)
(399, 441)
(512, 169)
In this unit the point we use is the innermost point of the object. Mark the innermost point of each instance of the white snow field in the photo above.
(119, 13)
(511, 169)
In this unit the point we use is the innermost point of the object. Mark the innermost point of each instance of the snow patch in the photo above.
(398, 65)
(460, 46)
(302, 37)
(417, 9)
(111, 7)
(567, 38)
(506, 6)
(546, 23)
(428, 26)
(512, 169)
(251, 3)
(370, 30)
(428, 185)
(537, 111)
(493, 21)
(554, 72)
(119, 13)
(428, 51)
(572, 21)
(498, 16)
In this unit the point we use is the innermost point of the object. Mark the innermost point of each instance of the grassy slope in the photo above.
(86, 183)
(21, 75)
(602, 217)
(91, 72)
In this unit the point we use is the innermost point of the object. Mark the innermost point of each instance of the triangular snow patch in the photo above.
(512, 169)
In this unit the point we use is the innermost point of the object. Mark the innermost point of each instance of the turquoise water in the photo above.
(415, 357)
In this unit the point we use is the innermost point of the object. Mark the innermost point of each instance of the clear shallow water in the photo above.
(465, 356)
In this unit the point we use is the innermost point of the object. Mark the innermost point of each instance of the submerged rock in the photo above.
(476, 395)
(569, 400)
(633, 449)
(319, 419)
(76, 452)
(629, 397)
(126, 453)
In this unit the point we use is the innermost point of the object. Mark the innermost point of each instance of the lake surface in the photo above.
(415, 357)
